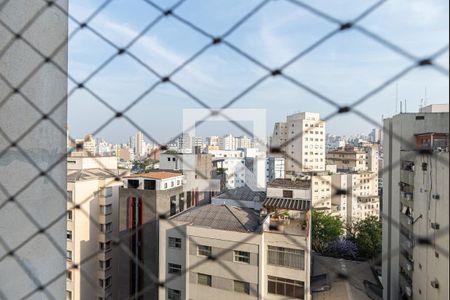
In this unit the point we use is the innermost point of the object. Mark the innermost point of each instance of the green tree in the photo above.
(325, 228)
(368, 237)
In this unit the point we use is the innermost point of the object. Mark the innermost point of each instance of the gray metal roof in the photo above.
(91, 174)
(243, 193)
(222, 217)
(287, 203)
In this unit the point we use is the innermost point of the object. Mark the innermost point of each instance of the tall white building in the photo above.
(415, 204)
(243, 142)
(227, 142)
(302, 141)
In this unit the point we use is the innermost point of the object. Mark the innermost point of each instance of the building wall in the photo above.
(223, 274)
(430, 263)
(402, 126)
(45, 144)
(155, 204)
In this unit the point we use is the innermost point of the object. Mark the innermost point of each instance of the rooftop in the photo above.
(156, 175)
(243, 193)
(222, 217)
(290, 183)
(287, 203)
(91, 174)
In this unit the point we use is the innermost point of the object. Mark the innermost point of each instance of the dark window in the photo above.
(69, 196)
(242, 256)
(242, 287)
(174, 242)
(173, 205)
(150, 185)
(174, 269)
(204, 279)
(204, 250)
(173, 294)
(288, 194)
(188, 199)
(133, 183)
(286, 287)
(181, 202)
(420, 117)
(286, 257)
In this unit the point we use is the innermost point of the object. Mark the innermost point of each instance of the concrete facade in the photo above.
(401, 187)
(303, 141)
(91, 228)
(44, 144)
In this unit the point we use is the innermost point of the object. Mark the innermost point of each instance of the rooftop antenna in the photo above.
(396, 97)
(401, 106)
(426, 97)
(405, 107)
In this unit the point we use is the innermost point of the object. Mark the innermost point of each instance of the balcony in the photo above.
(104, 237)
(407, 176)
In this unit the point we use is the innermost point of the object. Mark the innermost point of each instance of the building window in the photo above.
(288, 194)
(69, 275)
(70, 196)
(174, 269)
(242, 256)
(106, 209)
(108, 192)
(204, 279)
(69, 215)
(173, 294)
(286, 287)
(165, 185)
(204, 250)
(105, 264)
(105, 246)
(69, 235)
(105, 228)
(242, 287)
(286, 257)
(105, 283)
(174, 242)
(69, 255)
(68, 295)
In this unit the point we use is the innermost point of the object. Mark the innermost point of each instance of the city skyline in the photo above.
(339, 72)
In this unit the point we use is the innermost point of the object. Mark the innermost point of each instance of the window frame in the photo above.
(174, 242)
(240, 256)
(207, 277)
(206, 249)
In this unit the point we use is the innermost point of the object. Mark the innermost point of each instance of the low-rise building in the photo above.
(224, 252)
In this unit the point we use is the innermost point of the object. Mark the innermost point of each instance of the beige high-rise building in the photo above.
(416, 204)
(302, 142)
(91, 186)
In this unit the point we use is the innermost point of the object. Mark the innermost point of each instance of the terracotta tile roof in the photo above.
(156, 175)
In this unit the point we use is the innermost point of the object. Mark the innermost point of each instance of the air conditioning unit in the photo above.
(435, 226)
(408, 291)
(435, 284)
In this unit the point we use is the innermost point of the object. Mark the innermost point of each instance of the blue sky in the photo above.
(343, 68)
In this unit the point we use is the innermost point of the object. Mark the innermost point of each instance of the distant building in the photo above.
(91, 185)
(435, 108)
(301, 140)
(228, 142)
(416, 204)
(244, 142)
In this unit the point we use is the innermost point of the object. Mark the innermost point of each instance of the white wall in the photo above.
(44, 144)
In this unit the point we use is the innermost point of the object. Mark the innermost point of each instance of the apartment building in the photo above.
(227, 142)
(225, 252)
(302, 141)
(92, 187)
(197, 170)
(415, 197)
(144, 199)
